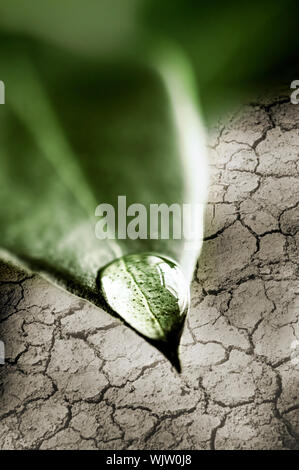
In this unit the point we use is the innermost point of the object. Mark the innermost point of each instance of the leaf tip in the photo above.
(148, 292)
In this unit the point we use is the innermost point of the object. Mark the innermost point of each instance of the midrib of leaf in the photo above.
(146, 302)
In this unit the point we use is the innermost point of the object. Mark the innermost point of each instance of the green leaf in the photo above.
(75, 134)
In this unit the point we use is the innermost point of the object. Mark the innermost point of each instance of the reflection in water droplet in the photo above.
(149, 292)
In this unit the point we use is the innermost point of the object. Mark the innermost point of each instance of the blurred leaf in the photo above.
(233, 46)
(92, 27)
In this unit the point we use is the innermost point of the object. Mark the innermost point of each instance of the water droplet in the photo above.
(149, 292)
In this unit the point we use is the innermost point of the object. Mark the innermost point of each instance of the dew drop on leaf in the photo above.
(149, 292)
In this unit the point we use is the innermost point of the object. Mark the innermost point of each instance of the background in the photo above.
(76, 378)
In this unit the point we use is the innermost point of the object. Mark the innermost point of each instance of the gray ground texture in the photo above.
(76, 378)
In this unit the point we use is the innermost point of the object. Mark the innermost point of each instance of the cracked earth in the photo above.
(76, 378)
